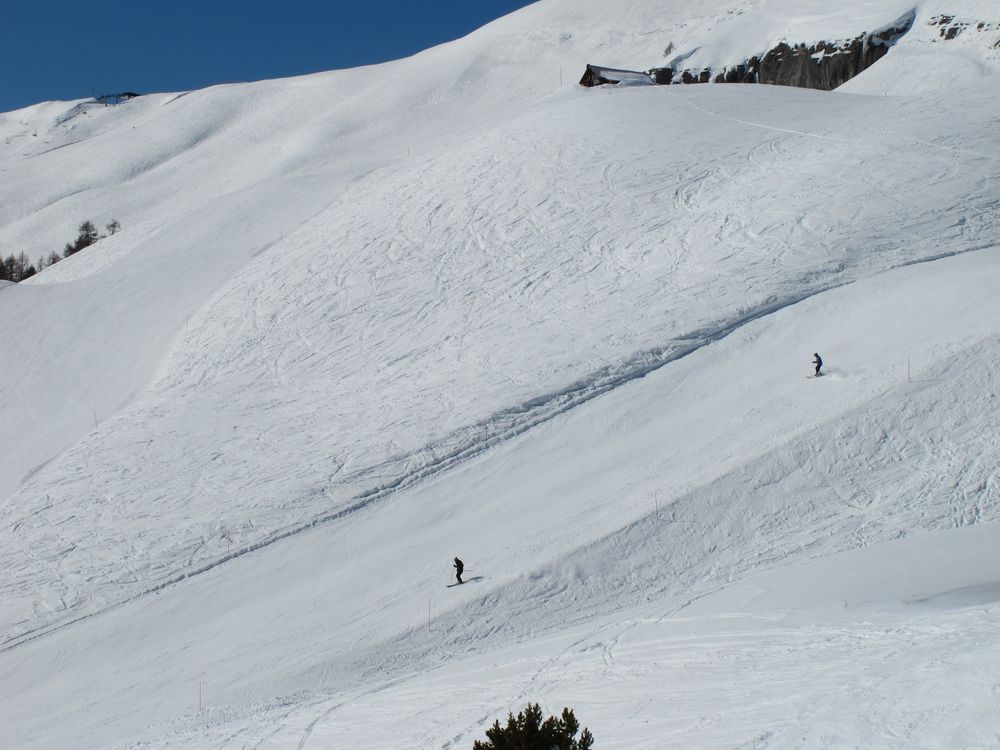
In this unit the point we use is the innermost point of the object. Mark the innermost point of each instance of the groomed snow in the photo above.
(360, 322)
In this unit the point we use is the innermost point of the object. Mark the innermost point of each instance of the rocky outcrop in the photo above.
(823, 65)
(950, 28)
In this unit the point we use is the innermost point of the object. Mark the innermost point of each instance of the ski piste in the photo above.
(429, 340)
(473, 579)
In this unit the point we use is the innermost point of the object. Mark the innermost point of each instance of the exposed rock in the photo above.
(823, 65)
(662, 76)
(950, 28)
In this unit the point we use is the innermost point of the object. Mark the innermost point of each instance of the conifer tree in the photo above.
(528, 732)
(19, 267)
(86, 237)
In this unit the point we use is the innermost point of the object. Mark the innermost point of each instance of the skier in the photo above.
(459, 567)
(818, 361)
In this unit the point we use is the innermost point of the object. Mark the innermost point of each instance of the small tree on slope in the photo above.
(528, 732)
(88, 236)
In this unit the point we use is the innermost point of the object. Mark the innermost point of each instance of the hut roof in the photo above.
(597, 75)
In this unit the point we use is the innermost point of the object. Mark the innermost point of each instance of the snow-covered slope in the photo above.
(360, 322)
(946, 45)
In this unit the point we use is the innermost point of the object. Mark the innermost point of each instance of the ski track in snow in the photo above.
(445, 454)
(699, 523)
(276, 343)
(459, 446)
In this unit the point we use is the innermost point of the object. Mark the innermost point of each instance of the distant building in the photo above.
(598, 76)
(124, 96)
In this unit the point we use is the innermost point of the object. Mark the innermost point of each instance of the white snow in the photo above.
(922, 60)
(361, 322)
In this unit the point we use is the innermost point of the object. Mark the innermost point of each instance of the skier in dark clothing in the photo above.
(459, 567)
(818, 361)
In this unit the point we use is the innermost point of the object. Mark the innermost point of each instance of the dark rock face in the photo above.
(824, 65)
(951, 28)
(662, 76)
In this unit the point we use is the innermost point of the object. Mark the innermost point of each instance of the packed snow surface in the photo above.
(361, 322)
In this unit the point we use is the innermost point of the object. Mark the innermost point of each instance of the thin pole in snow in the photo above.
(199, 696)
(95, 420)
(560, 78)
(908, 380)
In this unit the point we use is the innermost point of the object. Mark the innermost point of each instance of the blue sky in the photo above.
(65, 49)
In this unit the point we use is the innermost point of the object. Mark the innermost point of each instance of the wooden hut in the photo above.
(597, 75)
(124, 96)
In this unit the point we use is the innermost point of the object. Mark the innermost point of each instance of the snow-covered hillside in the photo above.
(360, 322)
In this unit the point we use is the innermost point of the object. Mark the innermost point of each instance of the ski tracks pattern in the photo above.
(416, 315)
